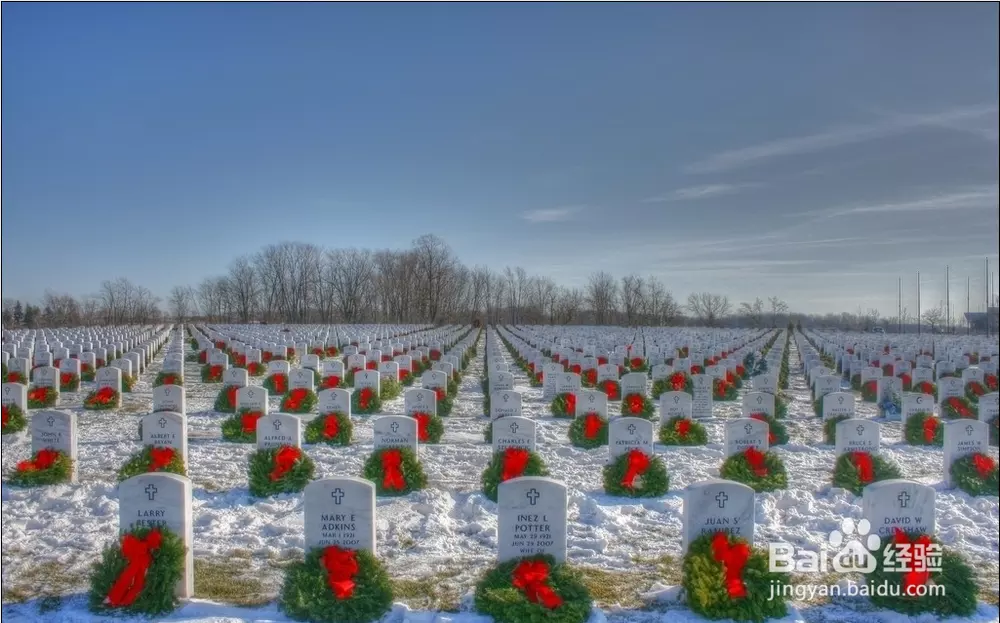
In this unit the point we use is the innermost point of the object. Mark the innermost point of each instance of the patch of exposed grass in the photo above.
(225, 581)
(440, 591)
(47, 581)
(617, 588)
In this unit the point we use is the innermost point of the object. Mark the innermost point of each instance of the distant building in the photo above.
(983, 321)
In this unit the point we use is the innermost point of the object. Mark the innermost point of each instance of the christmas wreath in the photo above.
(211, 373)
(395, 471)
(13, 419)
(734, 379)
(637, 364)
(564, 405)
(676, 382)
(926, 387)
(389, 388)
(452, 388)
(588, 431)
(957, 407)
(869, 391)
(256, 368)
(430, 428)
(533, 589)
(299, 400)
(761, 471)
(225, 401)
(612, 389)
(976, 474)
(276, 384)
(102, 399)
(511, 463)
(681, 431)
(777, 435)
(330, 428)
(42, 397)
(637, 405)
(152, 459)
(15, 377)
(537, 379)
(856, 470)
(830, 428)
(697, 369)
(332, 351)
(334, 584)
(781, 406)
(723, 391)
(406, 377)
(725, 578)
(128, 382)
(242, 427)
(138, 574)
(973, 390)
(46, 467)
(329, 382)
(589, 378)
(286, 469)
(895, 589)
(636, 474)
(365, 401)
(990, 381)
(69, 382)
(168, 378)
(923, 429)
(444, 402)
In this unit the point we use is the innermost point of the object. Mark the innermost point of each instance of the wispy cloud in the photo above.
(838, 137)
(975, 198)
(551, 215)
(692, 193)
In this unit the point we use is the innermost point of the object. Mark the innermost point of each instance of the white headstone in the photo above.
(334, 401)
(675, 404)
(513, 432)
(744, 433)
(531, 518)
(340, 512)
(717, 505)
(857, 435)
(627, 433)
(166, 429)
(505, 403)
(395, 431)
(961, 438)
(253, 398)
(902, 504)
(55, 430)
(278, 429)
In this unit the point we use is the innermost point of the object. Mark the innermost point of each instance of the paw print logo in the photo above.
(854, 544)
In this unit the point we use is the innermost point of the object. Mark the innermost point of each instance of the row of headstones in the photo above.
(307, 339)
(958, 351)
(44, 354)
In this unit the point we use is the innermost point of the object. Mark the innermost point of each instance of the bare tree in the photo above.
(568, 304)
(754, 312)
(244, 288)
(352, 274)
(935, 317)
(778, 307)
(633, 294)
(602, 294)
(182, 303)
(708, 308)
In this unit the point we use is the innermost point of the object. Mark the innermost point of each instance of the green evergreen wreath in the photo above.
(955, 575)
(390, 388)
(166, 569)
(849, 469)
(923, 429)
(267, 480)
(772, 477)
(414, 478)
(563, 405)
(493, 475)
(87, 373)
(496, 595)
(723, 391)
(298, 400)
(650, 483)
(452, 388)
(637, 405)
(256, 368)
(211, 373)
(706, 584)
(373, 403)
(430, 428)
(142, 462)
(332, 428)
(276, 384)
(45, 467)
(675, 432)
(781, 406)
(168, 378)
(830, 428)
(237, 429)
(42, 397)
(593, 424)
(13, 419)
(976, 474)
(956, 408)
(225, 400)
(869, 391)
(306, 594)
(69, 382)
(777, 434)
(128, 382)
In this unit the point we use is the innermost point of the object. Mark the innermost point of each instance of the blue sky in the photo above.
(817, 152)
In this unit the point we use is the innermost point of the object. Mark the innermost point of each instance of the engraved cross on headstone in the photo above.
(151, 492)
(514, 427)
(860, 429)
(162, 422)
(631, 429)
(277, 425)
(51, 421)
(904, 499)
(760, 399)
(533, 496)
(748, 428)
(969, 430)
(337, 495)
(395, 427)
(721, 499)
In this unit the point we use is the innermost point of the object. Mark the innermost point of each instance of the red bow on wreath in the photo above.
(44, 459)
(755, 458)
(677, 382)
(592, 425)
(139, 555)
(635, 404)
(284, 460)
(231, 396)
(160, 458)
(440, 394)
(392, 460)
(638, 463)
(422, 420)
(611, 389)
(570, 404)
(683, 427)
(531, 578)
(6, 415)
(865, 465)
(930, 429)
(248, 422)
(919, 573)
(365, 397)
(984, 465)
(733, 559)
(341, 566)
(330, 427)
(515, 461)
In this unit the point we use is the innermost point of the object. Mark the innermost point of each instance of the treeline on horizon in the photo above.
(301, 283)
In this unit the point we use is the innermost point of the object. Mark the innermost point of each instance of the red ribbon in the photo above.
(919, 573)
(638, 463)
(160, 458)
(677, 382)
(365, 397)
(280, 383)
(592, 425)
(570, 404)
(611, 389)
(422, 420)
(984, 465)
(295, 398)
(231, 396)
(635, 404)
(330, 426)
(65, 378)
(6, 415)
(865, 466)
(440, 394)
(215, 372)
(39, 394)
(169, 379)
(733, 559)
(515, 461)
(392, 460)
(341, 566)
(755, 458)
(139, 554)
(531, 578)
(683, 427)
(43, 459)
(248, 421)
(591, 376)
(284, 460)
(771, 437)
(636, 362)
(930, 429)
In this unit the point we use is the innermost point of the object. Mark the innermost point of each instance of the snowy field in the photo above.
(435, 542)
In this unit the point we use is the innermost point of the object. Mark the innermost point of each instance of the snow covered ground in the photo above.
(443, 536)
